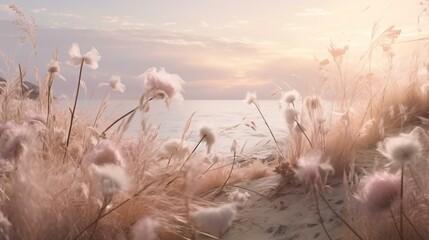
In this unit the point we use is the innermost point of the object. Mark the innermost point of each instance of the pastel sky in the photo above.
(221, 49)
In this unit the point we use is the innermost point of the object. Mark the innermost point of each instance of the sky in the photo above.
(221, 49)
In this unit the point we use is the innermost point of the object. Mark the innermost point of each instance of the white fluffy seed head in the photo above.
(250, 98)
(291, 115)
(174, 147)
(113, 179)
(290, 96)
(401, 150)
(215, 220)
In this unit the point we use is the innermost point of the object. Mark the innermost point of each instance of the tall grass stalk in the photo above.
(73, 110)
(320, 214)
(339, 216)
(418, 185)
(229, 176)
(401, 206)
(119, 119)
(271, 132)
(21, 78)
(95, 221)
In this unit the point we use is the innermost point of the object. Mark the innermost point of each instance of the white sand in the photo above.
(289, 214)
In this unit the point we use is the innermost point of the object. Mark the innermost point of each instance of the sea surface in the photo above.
(220, 114)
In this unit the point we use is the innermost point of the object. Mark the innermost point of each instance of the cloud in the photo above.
(110, 19)
(39, 10)
(65, 14)
(313, 12)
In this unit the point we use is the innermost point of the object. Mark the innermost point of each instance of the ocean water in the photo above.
(220, 114)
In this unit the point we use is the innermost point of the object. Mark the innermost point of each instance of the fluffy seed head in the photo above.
(309, 169)
(90, 58)
(379, 190)
(116, 84)
(402, 149)
(174, 147)
(162, 85)
(54, 67)
(209, 135)
(113, 179)
(312, 102)
(234, 146)
(250, 98)
(290, 115)
(290, 96)
(215, 220)
(104, 152)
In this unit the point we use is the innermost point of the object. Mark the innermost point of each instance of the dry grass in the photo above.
(44, 195)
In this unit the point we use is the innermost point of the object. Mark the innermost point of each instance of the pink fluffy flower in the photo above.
(379, 190)
(162, 85)
(309, 169)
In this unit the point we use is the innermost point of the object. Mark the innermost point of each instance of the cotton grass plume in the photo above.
(162, 85)
(309, 170)
(289, 97)
(378, 191)
(250, 98)
(239, 197)
(208, 135)
(104, 152)
(113, 179)
(291, 115)
(90, 58)
(174, 147)
(402, 149)
(114, 83)
(215, 220)
(145, 229)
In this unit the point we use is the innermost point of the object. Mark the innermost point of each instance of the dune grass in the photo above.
(63, 177)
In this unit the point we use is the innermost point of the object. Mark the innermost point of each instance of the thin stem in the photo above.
(401, 206)
(49, 98)
(412, 225)
(302, 130)
(21, 77)
(338, 215)
(103, 207)
(119, 119)
(418, 185)
(320, 215)
(189, 156)
(193, 150)
(229, 176)
(74, 109)
(118, 206)
(271, 132)
(396, 225)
